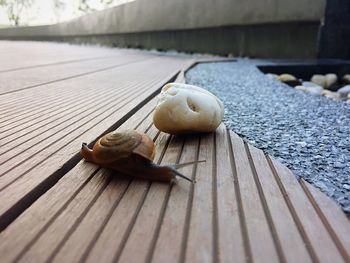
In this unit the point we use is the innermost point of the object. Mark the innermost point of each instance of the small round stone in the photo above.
(272, 76)
(331, 94)
(319, 80)
(346, 78)
(315, 90)
(286, 77)
(344, 91)
(309, 84)
(331, 79)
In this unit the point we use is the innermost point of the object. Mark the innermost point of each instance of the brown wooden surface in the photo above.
(19, 55)
(244, 207)
(41, 135)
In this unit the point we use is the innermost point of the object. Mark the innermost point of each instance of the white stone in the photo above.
(272, 76)
(300, 87)
(331, 94)
(315, 90)
(310, 84)
(331, 79)
(286, 77)
(344, 91)
(346, 78)
(183, 108)
(319, 80)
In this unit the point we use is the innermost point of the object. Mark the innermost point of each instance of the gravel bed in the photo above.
(309, 134)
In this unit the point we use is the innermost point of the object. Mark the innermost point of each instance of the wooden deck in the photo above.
(244, 207)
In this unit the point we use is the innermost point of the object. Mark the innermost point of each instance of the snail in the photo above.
(131, 153)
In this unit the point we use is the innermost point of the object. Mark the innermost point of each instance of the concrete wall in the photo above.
(149, 16)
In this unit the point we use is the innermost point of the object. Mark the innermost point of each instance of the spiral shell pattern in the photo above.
(116, 145)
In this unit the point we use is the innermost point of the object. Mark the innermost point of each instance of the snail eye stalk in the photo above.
(180, 165)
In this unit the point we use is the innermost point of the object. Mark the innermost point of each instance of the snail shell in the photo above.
(131, 153)
(119, 145)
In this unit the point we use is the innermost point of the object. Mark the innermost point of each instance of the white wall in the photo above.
(157, 15)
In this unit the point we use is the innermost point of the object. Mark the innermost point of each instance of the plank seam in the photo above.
(147, 115)
(188, 216)
(293, 212)
(215, 215)
(56, 63)
(238, 196)
(53, 218)
(325, 222)
(163, 210)
(265, 206)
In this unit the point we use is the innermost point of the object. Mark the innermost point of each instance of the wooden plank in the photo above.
(199, 237)
(44, 115)
(333, 218)
(230, 239)
(17, 55)
(51, 100)
(315, 235)
(117, 94)
(48, 119)
(286, 235)
(38, 77)
(261, 246)
(81, 89)
(41, 165)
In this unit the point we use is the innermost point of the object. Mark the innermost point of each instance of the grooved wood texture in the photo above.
(244, 207)
(52, 109)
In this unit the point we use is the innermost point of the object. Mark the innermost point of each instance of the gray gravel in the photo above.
(309, 134)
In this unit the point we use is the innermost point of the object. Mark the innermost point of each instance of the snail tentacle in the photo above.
(180, 165)
(87, 153)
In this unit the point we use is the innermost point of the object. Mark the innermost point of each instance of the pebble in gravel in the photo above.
(309, 134)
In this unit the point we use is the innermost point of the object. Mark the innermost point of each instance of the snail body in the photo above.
(130, 153)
